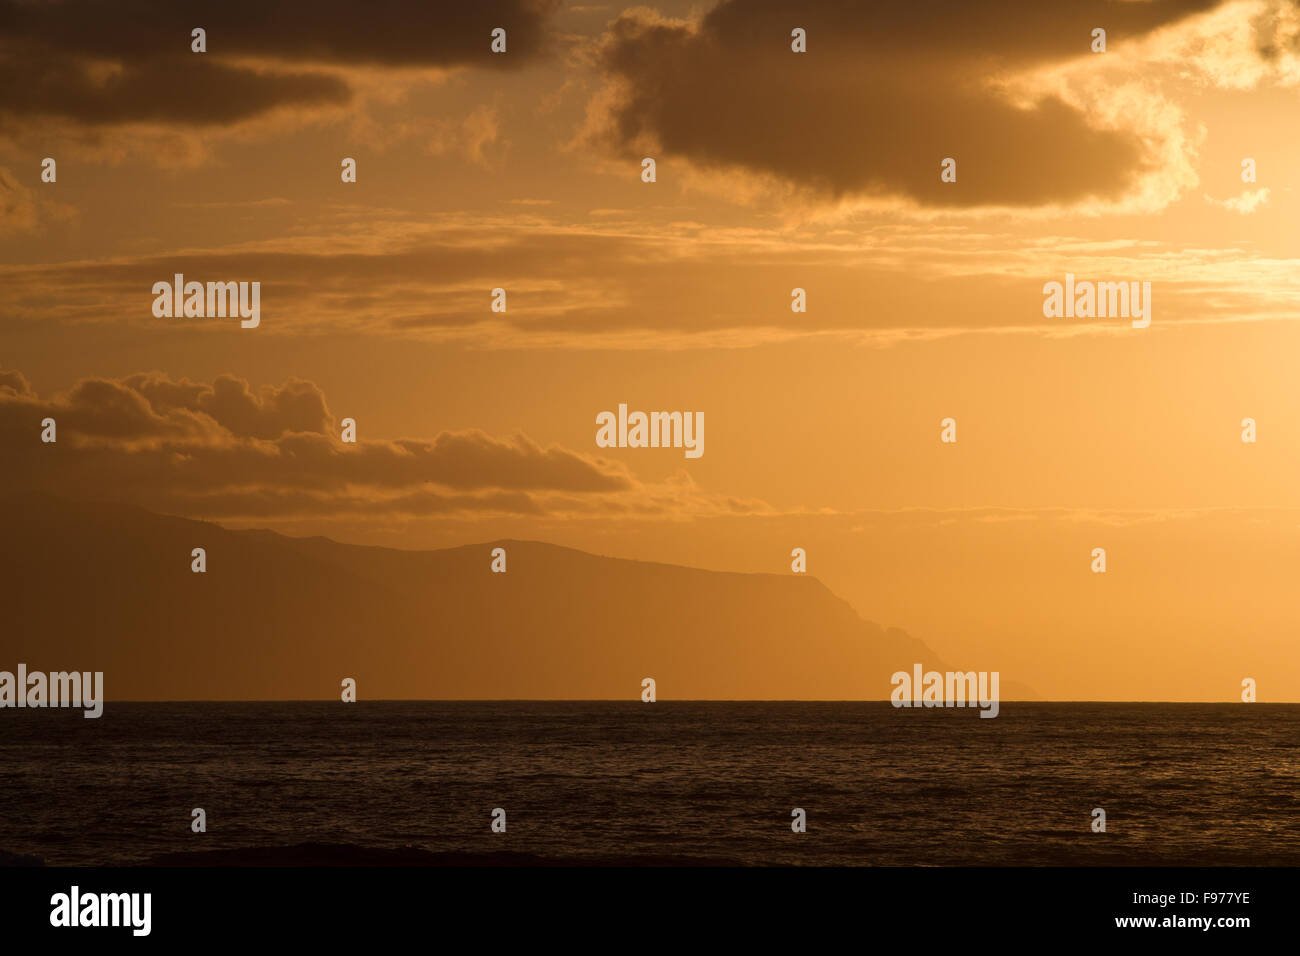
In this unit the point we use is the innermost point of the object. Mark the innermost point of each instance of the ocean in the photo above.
(668, 782)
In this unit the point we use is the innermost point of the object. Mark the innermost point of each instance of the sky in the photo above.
(774, 170)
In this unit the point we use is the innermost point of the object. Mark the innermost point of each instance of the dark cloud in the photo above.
(898, 31)
(380, 32)
(223, 449)
(885, 91)
(181, 90)
(130, 61)
(296, 406)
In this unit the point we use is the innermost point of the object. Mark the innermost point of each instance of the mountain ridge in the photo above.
(105, 586)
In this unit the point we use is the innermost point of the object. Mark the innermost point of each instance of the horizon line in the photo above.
(637, 700)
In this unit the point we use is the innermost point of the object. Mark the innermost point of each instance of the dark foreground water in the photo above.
(687, 782)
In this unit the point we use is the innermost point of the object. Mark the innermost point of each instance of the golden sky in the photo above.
(775, 170)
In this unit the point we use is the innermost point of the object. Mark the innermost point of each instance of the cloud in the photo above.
(470, 137)
(1242, 45)
(94, 65)
(1246, 203)
(17, 205)
(271, 413)
(884, 93)
(15, 382)
(223, 449)
(22, 211)
(183, 90)
(639, 285)
(387, 32)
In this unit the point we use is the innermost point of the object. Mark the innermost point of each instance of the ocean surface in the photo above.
(627, 782)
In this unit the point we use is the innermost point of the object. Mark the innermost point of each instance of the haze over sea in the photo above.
(1199, 784)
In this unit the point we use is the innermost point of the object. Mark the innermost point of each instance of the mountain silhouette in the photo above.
(109, 587)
